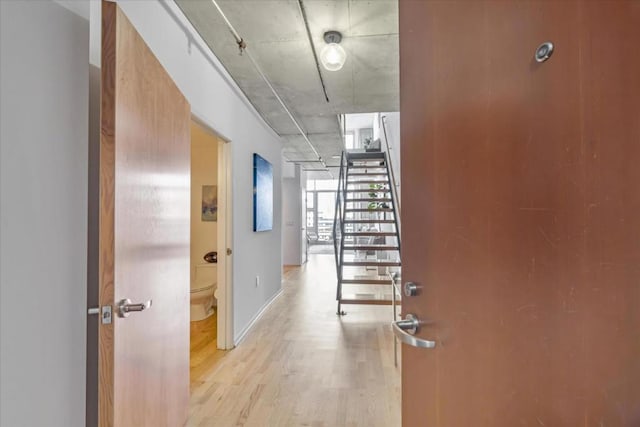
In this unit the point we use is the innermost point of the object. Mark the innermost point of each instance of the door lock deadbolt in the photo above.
(410, 289)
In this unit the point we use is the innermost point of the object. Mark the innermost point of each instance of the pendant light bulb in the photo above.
(333, 56)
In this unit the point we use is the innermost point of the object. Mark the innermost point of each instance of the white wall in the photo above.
(292, 216)
(216, 100)
(43, 214)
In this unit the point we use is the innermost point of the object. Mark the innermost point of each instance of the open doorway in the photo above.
(210, 279)
(320, 209)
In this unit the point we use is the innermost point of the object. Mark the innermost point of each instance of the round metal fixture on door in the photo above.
(410, 289)
(544, 51)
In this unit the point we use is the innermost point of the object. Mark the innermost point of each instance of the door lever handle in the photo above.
(404, 330)
(125, 307)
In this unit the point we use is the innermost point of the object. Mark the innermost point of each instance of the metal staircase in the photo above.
(366, 232)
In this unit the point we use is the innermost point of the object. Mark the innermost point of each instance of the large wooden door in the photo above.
(520, 219)
(144, 233)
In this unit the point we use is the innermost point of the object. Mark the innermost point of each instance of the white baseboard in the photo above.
(237, 340)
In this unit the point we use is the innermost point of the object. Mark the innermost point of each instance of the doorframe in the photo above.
(224, 312)
(225, 246)
(304, 241)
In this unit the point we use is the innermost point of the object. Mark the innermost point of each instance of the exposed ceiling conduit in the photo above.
(303, 12)
(243, 49)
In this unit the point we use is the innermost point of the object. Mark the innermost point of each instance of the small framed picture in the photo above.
(209, 202)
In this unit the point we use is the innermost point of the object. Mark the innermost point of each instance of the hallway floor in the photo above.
(301, 365)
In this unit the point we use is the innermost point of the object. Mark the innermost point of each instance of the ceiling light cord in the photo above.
(243, 48)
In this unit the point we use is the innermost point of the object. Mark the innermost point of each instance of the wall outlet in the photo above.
(257, 281)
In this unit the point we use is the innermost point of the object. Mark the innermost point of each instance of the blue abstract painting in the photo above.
(262, 194)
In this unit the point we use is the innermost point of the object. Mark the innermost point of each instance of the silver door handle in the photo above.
(404, 330)
(125, 307)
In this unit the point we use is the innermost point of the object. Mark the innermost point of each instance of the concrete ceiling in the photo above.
(275, 33)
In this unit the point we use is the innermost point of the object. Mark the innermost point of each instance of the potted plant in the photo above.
(374, 195)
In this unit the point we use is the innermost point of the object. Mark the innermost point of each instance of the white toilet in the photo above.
(203, 287)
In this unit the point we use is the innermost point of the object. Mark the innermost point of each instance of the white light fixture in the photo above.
(333, 55)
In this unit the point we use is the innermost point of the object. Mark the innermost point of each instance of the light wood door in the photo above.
(144, 233)
(521, 224)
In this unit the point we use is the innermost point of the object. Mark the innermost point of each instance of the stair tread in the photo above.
(366, 281)
(370, 233)
(367, 167)
(348, 257)
(367, 174)
(369, 221)
(372, 263)
(371, 248)
(367, 155)
(366, 299)
(370, 190)
(369, 210)
(363, 179)
(373, 199)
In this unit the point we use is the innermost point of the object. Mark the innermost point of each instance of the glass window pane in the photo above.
(327, 184)
(311, 185)
(348, 142)
(310, 199)
(310, 221)
(326, 211)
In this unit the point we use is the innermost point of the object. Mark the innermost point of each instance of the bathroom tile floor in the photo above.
(301, 365)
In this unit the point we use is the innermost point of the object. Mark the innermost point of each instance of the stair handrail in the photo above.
(338, 224)
(394, 183)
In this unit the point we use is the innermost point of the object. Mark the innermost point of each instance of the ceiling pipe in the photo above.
(303, 12)
(233, 30)
(243, 49)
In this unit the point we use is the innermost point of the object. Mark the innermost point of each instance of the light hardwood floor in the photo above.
(301, 365)
(204, 352)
